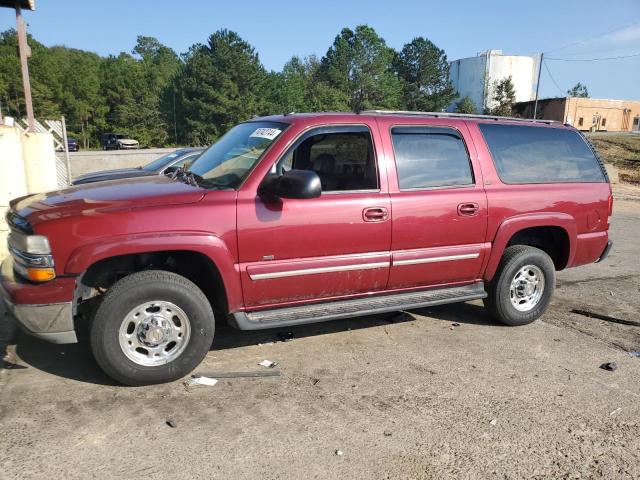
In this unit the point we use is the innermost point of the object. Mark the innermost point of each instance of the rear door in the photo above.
(337, 245)
(438, 201)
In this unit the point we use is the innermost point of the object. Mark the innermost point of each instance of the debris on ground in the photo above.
(339, 453)
(315, 381)
(609, 366)
(267, 344)
(455, 324)
(171, 422)
(198, 380)
(285, 336)
(268, 363)
(251, 374)
(493, 422)
(606, 318)
(635, 354)
(615, 412)
(387, 433)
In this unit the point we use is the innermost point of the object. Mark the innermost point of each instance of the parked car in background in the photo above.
(72, 145)
(181, 158)
(117, 141)
(304, 218)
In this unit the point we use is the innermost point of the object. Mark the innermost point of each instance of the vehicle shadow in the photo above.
(75, 361)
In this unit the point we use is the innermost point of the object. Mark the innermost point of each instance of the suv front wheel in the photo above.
(521, 289)
(151, 327)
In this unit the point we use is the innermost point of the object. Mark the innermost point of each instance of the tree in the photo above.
(357, 72)
(466, 105)
(504, 96)
(578, 90)
(425, 71)
(222, 83)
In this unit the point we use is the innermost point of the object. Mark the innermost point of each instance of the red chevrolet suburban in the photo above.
(304, 218)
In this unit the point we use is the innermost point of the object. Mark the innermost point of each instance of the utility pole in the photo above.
(25, 53)
(535, 105)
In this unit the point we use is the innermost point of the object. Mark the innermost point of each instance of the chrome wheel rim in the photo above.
(154, 333)
(527, 288)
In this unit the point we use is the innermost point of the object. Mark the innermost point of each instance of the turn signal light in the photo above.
(41, 274)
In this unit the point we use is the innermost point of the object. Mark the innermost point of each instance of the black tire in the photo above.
(134, 290)
(498, 301)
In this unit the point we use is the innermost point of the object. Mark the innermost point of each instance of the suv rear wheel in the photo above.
(522, 287)
(151, 327)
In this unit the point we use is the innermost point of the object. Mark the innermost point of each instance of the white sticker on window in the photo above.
(268, 133)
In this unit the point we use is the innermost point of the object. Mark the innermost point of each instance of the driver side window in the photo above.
(343, 158)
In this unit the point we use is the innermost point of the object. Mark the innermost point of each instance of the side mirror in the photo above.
(292, 184)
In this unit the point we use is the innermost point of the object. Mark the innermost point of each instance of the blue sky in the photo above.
(280, 29)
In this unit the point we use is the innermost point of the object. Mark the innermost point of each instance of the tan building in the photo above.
(593, 114)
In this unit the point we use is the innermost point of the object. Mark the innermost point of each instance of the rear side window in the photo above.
(527, 154)
(430, 157)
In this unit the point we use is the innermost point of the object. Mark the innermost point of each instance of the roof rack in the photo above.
(457, 115)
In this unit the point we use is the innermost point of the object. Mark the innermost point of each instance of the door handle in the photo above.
(375, 214)
(468, 209)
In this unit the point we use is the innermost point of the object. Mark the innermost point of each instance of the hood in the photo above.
(127, 141)
(111, 175)
(111, 195)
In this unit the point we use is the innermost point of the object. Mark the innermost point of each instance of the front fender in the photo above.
(509, 227)
(204, 243)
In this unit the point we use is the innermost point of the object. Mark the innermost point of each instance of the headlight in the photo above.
(32, 257)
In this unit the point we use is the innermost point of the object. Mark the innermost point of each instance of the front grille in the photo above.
(18, 223)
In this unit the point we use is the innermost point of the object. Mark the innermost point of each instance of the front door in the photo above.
(439, 205)
(293, 250)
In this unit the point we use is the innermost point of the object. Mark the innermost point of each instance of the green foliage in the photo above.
(357, 72)
(425, 71)
(578, 90)
(466, 105)
(222, 83)
(160, 98)
(504, 96)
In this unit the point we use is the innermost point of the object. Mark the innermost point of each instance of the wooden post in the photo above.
(535, 105)
(24, 55)
(66, 149)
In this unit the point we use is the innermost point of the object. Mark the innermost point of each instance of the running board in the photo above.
(320, 312)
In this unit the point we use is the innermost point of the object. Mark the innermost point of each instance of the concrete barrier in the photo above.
(92, 161)
(27, 163)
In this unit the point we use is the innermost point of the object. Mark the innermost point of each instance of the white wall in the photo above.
(27, 165)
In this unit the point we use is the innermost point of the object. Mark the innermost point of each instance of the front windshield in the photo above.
(228, 161)
(161, 162)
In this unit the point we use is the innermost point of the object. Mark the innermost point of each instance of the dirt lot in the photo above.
(622, 150)
(405, 397)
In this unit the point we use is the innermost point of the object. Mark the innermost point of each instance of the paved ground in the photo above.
(414, 398)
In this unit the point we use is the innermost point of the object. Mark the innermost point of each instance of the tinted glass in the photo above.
(342, 157)
(530, 154)
(429, 157)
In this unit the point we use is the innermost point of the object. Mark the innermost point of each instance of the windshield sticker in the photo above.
(268, 133)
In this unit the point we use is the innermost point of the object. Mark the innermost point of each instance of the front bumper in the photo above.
(49, 321)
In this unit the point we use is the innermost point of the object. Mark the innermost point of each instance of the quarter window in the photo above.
(534, 154)
(430, 157)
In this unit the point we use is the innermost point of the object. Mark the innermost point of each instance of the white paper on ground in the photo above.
(203, 381)
(268, 363)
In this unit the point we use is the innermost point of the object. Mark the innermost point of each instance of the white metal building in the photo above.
(475, 76)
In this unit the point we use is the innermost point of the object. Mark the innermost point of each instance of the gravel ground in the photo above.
(406, 396)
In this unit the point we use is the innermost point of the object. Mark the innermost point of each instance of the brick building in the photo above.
(586, 113)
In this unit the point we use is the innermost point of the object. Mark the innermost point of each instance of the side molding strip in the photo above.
(447, 258)
(313, 271)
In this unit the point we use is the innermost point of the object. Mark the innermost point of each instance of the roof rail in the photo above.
(457, 115)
